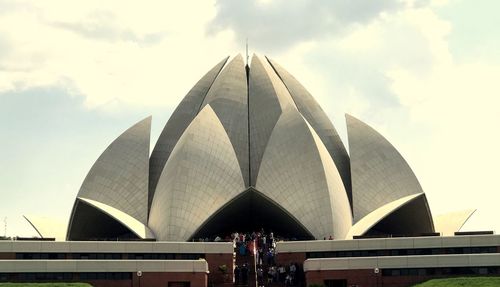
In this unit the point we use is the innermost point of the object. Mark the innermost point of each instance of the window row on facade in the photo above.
(69, 276)
(444, 271)
(403, 252)
(109, 256)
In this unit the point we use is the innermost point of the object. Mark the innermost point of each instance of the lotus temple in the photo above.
(249, 150)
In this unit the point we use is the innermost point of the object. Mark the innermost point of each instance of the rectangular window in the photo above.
(336, 283)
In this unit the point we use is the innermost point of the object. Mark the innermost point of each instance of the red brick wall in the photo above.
(161, 279)
(108, 283)
(397, 281)
(154, 279)
(287, 258)
(148, 279)
(364, 278)
(216, 260)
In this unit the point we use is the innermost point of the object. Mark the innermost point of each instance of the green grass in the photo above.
(45, 285)
(462, 281)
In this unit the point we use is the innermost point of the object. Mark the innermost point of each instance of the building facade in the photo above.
(393, 262)
(390, 262)
(116, 263)
(249, 142)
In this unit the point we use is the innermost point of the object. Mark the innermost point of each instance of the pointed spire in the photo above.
(247, 57)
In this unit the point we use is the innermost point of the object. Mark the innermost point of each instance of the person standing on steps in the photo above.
(281, 273)
(260, 276)
(244, 274)
(237, 272)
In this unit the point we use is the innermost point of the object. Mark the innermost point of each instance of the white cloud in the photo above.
(137, 52)
(398, 73)
(458, 102)
(278, 25)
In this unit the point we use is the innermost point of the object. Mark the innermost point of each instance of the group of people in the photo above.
(263, 246)
(287, 275)
(254, 242)
(241, 274)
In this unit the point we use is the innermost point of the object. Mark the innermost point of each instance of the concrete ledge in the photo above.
(424, 261)
(388, 243)
(116, 247)
(19, 266)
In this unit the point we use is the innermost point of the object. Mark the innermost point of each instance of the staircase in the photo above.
(247, 259)
(250, 260)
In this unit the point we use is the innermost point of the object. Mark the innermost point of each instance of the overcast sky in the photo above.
(75, 75)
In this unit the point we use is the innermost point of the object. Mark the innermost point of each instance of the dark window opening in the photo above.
(165, 256)
(44, 276)
(38, 256)
(97, 256)
(442, 271)
(402, 252)
(105, 276)
(336, 283)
